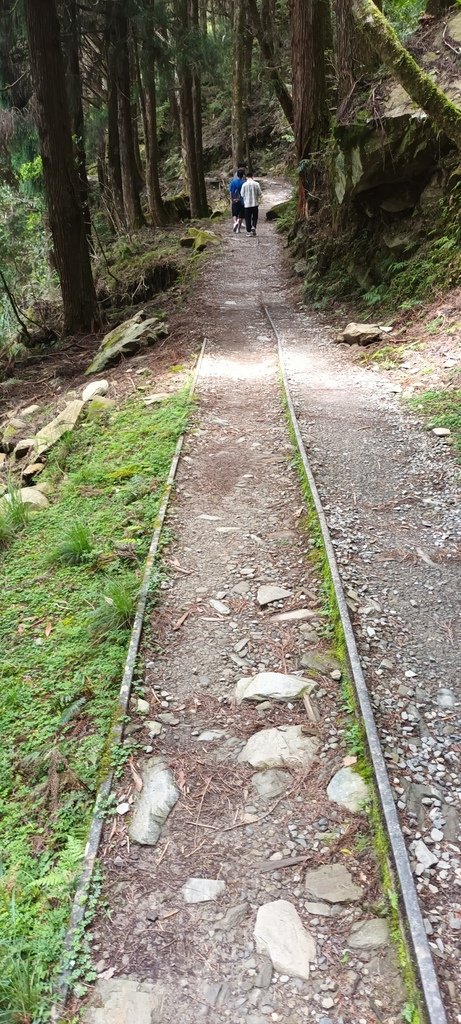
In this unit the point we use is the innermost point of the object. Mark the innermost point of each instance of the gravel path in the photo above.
(289, 928)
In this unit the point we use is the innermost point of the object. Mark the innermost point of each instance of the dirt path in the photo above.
(235, 523)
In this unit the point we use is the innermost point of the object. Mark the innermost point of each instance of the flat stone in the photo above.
(233, 917)
(33, 470)
(210, 735)
(97, 387)
(441, 431)
(220, 607)
(271, 784)
(161, 396)
(264, 976)
(280, 934)
(369, 934)
(360, 334)
(321, 663)
(297, 615)
(272, 686)
(278, 747)
(62, 424)
(348, 789)
(153, 804)
(423, 854)
(202, 890)
(154, 728)
(320, 909)
(30, 496)
(445, 698)
(142, 706)
(23, 447)
(168, 718)
(30, 410)
(333, 883)
(269, 593)
(124, 1001)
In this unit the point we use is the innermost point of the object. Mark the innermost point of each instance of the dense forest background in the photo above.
(113, 114)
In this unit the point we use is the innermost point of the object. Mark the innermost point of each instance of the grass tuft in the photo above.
(75, 547)
(115, 610)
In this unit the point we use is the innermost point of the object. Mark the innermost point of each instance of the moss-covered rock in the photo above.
(99, 407)
(177, 207)
(279, 210)
(128, 338)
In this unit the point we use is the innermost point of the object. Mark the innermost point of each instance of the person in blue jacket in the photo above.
(238, 210)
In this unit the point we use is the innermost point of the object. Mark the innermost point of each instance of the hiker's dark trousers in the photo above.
(251, 217)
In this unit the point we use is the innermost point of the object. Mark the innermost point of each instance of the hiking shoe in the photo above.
(248, 234)
(235, 227)
(253, 231)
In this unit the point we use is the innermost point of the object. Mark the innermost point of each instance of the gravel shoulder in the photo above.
(253, 856)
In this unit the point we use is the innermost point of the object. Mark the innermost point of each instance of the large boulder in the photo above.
(126, 339)
(385, 156)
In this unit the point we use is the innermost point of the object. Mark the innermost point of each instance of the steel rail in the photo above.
(417, 933)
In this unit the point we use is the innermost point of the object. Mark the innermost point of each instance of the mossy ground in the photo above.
(442, 409)
(60, 679)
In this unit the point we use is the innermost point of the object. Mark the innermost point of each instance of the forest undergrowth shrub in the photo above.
(24, 258)
(59, 681)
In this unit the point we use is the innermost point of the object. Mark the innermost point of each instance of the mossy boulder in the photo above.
(201, 238)
(279, 210)
(128, 338)
(99, 407)
(177, 207)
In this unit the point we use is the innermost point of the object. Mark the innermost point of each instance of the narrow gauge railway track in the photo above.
(413, 920)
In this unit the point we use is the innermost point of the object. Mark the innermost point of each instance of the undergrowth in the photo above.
(64, 633)
(442, 409)
(355, 736)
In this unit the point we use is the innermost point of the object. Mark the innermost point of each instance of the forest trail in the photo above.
(235, 523)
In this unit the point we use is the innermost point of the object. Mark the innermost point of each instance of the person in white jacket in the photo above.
(251, 194)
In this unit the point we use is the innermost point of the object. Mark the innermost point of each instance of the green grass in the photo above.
(64, 632)
(442, 409)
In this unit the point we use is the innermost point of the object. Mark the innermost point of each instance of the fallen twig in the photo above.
(287, 862)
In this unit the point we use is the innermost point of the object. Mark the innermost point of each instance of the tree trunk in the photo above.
(147, 86)
(238, 85)
(190, 112)
(354, 57)
(417, 83)
(438, 7)
(71, 37)
(197, 108)
(248, 60)
(130, 181)
(113, 141)
(268, 54)
(309, 90)
(59, 171)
